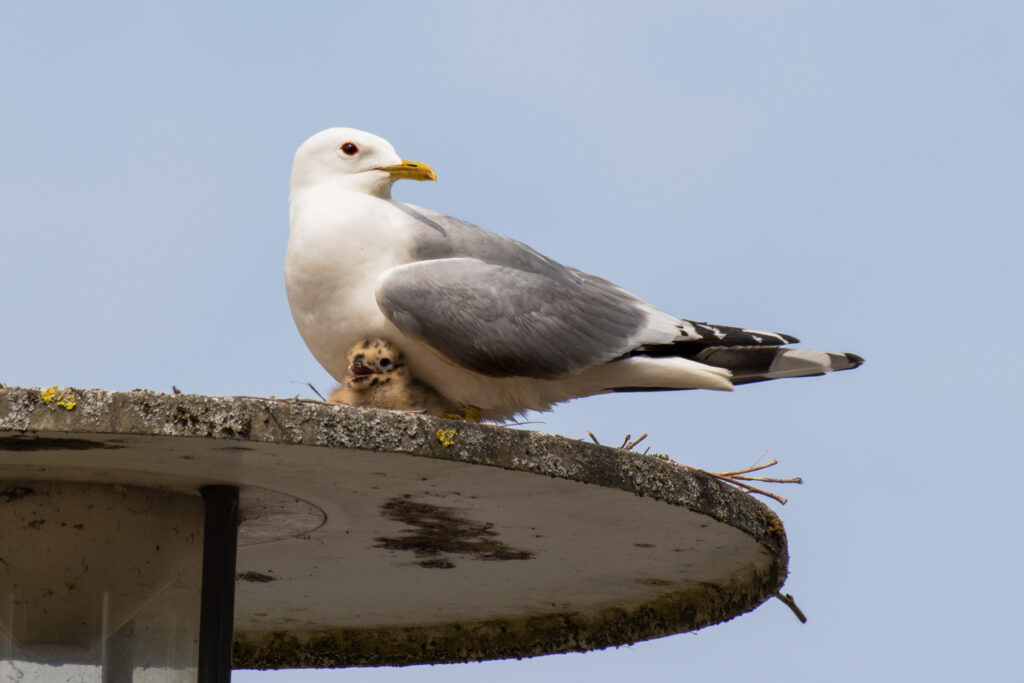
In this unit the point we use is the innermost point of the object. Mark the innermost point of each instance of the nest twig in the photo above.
(294, 399)
(738, 478)
(626, 444)
(789, 602)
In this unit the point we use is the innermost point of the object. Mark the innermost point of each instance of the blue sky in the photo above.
(850, 173)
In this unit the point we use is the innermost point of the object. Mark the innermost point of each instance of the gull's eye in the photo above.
(350, 149)
(385, 362)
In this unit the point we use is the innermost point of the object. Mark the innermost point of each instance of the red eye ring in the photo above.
(350, 149)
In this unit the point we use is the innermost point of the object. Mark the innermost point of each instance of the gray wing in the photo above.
(494, 305)
(440, 236)
(533, 319)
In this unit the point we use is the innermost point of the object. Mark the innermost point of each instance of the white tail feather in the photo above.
(661, 373)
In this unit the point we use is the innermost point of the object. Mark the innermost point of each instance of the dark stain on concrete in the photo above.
(15, 492)
(437, 532)
(20, 442)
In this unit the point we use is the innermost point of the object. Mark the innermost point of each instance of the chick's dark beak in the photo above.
(358, 369)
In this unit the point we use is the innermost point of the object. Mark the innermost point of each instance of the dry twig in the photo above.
(626, 444)
(293, 399)
(310, 385)
(632, 444)
(737, 478)
(517, 423)
(789, 602)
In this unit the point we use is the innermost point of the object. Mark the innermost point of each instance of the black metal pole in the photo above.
(217, 615)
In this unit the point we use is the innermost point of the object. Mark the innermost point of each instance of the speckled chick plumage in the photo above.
(379, 377)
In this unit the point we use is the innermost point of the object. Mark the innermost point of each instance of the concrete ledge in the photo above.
(308, 601)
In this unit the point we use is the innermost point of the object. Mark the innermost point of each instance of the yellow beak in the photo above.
(415, 170)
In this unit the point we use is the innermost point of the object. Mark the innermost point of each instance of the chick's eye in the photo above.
(385, 362)
(350, 149)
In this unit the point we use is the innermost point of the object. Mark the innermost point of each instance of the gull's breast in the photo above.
(337, 249)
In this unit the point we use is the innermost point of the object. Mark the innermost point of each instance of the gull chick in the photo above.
(378, 377)
(484, 320)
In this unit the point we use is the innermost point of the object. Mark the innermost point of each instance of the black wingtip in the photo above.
(790, 339)
(855, 359)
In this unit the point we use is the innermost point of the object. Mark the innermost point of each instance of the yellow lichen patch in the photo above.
(65, 399)
(446, 437)
(467, 414)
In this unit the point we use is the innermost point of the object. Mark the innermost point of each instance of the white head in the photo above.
(357, 160)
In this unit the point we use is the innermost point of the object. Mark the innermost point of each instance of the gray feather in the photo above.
(503, 322)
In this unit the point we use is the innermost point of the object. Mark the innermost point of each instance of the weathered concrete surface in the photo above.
(67, 548)
(59, 429)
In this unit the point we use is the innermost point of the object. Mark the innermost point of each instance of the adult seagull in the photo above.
(484, 320)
